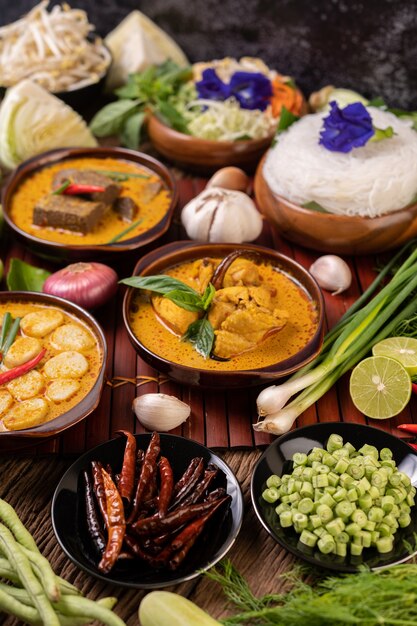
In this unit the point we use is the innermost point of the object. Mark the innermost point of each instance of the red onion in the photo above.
(87, 284)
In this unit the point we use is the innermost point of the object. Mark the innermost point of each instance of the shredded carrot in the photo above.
(284, 94)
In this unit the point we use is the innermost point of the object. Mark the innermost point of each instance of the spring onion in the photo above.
(363, 325)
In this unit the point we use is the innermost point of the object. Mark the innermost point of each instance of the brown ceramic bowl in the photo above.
(71, 252)
(327, 232)
(182, 251)
(204, 155)
(10, 440)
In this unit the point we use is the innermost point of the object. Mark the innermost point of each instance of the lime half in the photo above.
(380, 387)
(402, 349)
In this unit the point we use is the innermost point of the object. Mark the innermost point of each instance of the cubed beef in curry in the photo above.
(89, 177)
(69, 213)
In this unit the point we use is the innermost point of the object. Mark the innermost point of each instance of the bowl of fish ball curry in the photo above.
(52, 362)
(223, 315)
(80, 204)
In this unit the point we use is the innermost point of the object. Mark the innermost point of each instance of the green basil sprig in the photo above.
(180, 293)
(201, 334)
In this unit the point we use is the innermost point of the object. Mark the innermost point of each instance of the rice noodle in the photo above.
(52, 49)
(380, 177)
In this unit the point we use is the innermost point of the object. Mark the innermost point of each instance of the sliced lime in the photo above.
(402, 349)
(380, 387)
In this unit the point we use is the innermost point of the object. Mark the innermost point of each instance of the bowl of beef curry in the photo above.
(77, 204)
(223, 315)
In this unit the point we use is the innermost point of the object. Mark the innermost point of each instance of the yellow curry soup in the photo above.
(39, 185)
(289, 301)
(64, 376)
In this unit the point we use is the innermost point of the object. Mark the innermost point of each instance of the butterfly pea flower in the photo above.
(252, 90)
(350, 127)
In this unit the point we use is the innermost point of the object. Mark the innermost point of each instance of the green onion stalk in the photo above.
(351, 339)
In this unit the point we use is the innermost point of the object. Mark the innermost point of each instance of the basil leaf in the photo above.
(25, 277)
(131, 130)
(201, 335)
(208, 296)
(161, 283)
(185, 300)
(109, 120)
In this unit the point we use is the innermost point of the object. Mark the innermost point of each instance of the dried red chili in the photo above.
(126, 481)
(147, 471)
(116, 524)
(93, 525)
(99, 491)
(166, 486)
(156, 525)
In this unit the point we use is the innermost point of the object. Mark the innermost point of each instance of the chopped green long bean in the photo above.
(354, 511)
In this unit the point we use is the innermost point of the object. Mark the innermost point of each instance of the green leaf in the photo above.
(161, 283)
(171, 117)
(201, 335)
(110, 119)
(24, 277)
(382, 133)
(208, 296)
(131, 130)
(286, 119)
(314, 206)
(186, 300)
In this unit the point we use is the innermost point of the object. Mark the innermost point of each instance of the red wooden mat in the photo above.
(219, 419)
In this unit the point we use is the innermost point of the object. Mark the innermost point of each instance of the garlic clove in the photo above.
(160, 412)
(230, 178)
(332, 273)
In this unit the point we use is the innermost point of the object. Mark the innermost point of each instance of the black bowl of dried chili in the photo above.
(175, 509)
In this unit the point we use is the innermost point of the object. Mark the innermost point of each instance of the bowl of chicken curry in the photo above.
(52, 363)
(223, 315)
(80, 204)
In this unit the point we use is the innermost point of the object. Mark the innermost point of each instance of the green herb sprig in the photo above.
(200, 333)
(155, 90)
(9, 330)
(385, 596)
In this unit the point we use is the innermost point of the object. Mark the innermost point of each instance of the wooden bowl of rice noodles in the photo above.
(360, 202)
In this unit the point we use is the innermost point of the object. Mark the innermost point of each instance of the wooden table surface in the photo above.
(220, 419)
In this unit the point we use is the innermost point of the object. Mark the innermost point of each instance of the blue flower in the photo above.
(252, 90)
(212, 87)
(347, 128)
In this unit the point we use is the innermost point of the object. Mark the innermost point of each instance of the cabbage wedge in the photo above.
(32, 121)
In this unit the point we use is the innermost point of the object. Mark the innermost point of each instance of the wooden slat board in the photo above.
(219, 419)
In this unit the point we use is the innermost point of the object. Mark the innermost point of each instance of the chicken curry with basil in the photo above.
(49, 361)
(250, 315)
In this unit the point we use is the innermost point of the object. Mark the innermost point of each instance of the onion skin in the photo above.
(90, 285)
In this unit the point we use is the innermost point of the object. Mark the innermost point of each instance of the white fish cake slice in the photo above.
(23, 349)
(27, 386)
(6, 401)
(41, 323)
(62, 389)
(27, 414)
(70, 364)
(71, 337)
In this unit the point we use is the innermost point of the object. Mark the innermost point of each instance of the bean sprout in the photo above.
(54, 49)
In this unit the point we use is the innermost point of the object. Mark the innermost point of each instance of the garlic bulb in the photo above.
(332, 273)
(222, 216)
(160, 412)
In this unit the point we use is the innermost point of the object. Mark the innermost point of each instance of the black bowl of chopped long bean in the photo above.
(339, 496)
(148, 510)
